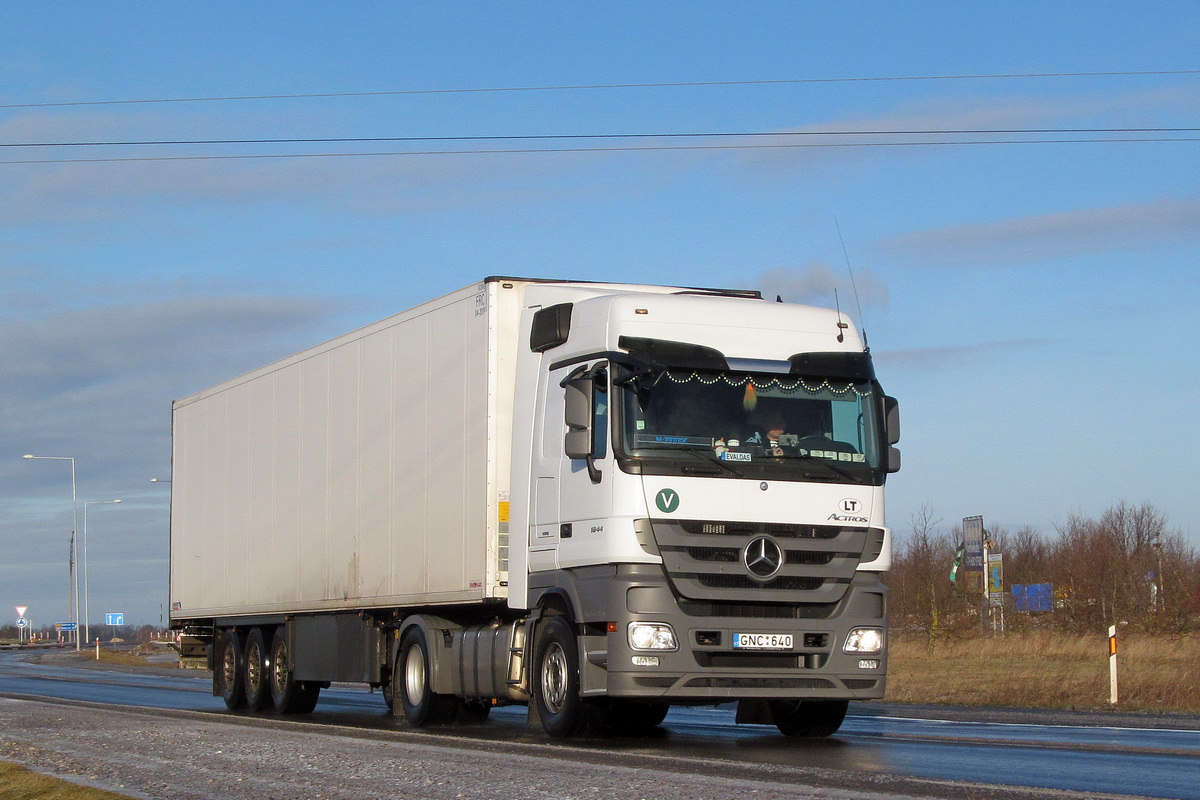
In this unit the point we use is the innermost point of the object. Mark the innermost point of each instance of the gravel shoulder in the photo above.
(151, 753)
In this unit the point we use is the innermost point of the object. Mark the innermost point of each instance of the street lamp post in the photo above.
(74, 576)
(86, 633)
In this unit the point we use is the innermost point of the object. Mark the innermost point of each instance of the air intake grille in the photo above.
(705, 560)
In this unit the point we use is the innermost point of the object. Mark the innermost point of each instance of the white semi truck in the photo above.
(598, 500)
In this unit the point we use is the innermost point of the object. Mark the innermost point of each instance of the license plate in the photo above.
(762, 641)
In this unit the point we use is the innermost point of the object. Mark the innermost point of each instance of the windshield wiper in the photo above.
(711, 459)
(828, 464)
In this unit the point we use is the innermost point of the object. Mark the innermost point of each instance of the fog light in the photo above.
(864, 640)
(645, 661)
(651, 636)
(868, 663)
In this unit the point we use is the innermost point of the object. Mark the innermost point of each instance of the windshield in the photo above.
(738, 424)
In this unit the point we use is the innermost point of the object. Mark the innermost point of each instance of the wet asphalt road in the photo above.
(881, 750)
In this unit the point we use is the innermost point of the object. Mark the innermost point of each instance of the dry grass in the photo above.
(127, 658)
(18, 783)
(1047, 670)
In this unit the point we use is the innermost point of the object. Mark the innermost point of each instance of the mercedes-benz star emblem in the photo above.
(762, 558)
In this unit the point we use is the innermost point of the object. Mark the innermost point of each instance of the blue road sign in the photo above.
(68, 627)
(114, 619)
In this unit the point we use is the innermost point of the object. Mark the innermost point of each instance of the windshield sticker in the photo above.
(835, 455)
(731, 456)
(691, 441)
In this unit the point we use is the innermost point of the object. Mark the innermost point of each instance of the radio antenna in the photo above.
(846, 255)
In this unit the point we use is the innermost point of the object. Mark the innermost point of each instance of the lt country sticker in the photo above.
(667, 501)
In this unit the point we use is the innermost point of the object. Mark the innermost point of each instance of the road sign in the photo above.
(22, 622)
(67, 627)
(114, 619)
(21, 610)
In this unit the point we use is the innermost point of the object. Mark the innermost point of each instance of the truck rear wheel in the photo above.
(228, 672)
(411, 677)
(808, 718)
(256, 659)
(288, 695)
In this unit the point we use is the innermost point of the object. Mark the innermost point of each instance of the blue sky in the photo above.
(1032, 305)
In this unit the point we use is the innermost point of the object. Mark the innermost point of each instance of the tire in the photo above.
(288, 695)
(228, 672)
(633, 718)
(556, 680)
(256, 680)
(808, 718)
(410, 677)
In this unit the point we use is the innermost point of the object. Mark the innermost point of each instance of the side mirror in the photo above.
(891, 424)
(891, 421)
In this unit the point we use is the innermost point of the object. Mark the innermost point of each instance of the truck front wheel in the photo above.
(411, 682)
(808, 718)
(556, 679)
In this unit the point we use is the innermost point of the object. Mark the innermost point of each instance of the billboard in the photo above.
(995, 579)
(973, 572)
(1033, 597)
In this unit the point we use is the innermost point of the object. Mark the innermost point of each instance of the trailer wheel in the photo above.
(411, 679)
(257, 663)
(288, 695)
(228, 674)
(556, 679)
(808, 718)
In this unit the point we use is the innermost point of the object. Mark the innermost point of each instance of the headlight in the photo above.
(864, 640)
(651, 636)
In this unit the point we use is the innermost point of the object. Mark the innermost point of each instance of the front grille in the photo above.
(704, 561)
(750, 660)
(731, 555)
(758, 610)
(740, 582)
(782, 530)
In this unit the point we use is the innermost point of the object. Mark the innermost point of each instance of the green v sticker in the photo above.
(667, 501)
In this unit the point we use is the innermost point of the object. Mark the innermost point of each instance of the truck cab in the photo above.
(704, 474)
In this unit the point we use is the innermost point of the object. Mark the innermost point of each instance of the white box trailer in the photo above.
(364, 472)
(538, 492)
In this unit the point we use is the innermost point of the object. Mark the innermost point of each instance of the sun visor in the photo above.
(676, 355)
(852, 367)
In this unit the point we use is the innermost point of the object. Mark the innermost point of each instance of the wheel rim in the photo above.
(279, 670)
(554, 678)
(254, 667)
(414, 675)
(228, 666)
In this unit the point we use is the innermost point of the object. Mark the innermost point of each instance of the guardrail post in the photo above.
(1112, 664)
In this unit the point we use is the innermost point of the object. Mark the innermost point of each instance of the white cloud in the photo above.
(816, 282)
(1155, 225)
(98, 382)
(936, 359)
